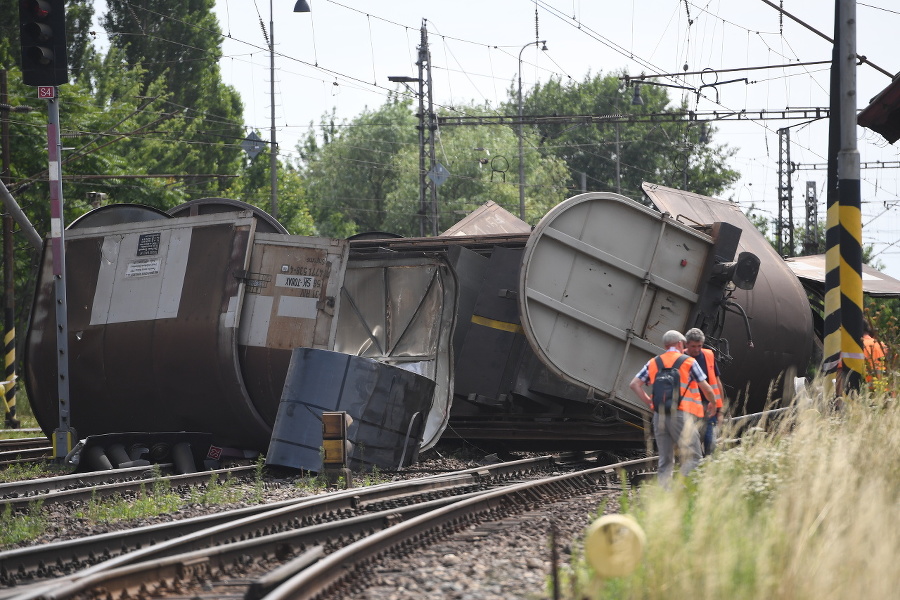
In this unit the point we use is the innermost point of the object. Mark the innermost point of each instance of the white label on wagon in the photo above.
(298, 282)
(143, 268)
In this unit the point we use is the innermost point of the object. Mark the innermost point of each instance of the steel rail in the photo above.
(120, 548)
(16, 443)
(120, 487)
(206, 568)
(341, 565)
(218, 560)
(10, 457)
(46, 485)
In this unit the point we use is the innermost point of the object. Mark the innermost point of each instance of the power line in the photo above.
(664, 117)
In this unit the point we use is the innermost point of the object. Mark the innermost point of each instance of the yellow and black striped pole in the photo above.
(850, 213)
(9, 383)
(832, 333)
(844, 261)
(9, 341)
(851, 281)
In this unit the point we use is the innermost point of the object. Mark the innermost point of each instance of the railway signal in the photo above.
(42, 29)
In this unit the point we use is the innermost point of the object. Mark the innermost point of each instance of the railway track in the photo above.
(42, 562)
(16, 450)
(13, 444)
(81, 487)
(311, 544)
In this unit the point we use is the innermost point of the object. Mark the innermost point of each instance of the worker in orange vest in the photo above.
(681, 428)
(707, 359)
(873, 351)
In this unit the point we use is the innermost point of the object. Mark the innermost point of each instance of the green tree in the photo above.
(253, 187)
(668, 153)
(351, 172)
(483, 166)
(9, 34)
(364, 176)
(176, 59)
(83, 59)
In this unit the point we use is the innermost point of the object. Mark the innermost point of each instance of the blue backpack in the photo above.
(667, 386)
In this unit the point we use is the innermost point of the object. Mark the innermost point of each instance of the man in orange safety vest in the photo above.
(707, 359)
(681, 428)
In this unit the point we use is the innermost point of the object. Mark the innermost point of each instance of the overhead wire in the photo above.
(444, 39)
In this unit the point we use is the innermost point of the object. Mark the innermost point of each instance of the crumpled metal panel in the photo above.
(153, 312)
(401, 310)
(780, 318)
(387, 406)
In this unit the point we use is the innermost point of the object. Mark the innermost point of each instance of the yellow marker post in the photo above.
(614, 545)
(335, 447)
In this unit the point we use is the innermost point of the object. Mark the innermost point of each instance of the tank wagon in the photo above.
(211, 318)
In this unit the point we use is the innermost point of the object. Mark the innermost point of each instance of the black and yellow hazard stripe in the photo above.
(851, 283)
(832, 332)
(9, 374)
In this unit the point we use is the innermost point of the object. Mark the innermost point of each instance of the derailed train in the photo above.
(213, 319)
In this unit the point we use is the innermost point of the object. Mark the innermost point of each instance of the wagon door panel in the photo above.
(292, 296)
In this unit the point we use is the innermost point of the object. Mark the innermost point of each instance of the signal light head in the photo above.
(40, 55)
(38, 32)
(42, 27)
(39, 9)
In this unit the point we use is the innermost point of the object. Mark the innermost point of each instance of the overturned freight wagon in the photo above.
(553, 324)
(190, 323)
(198, 320)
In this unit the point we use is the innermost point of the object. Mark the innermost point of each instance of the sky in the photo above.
(339, 57)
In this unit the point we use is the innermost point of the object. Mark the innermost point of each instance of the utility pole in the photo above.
(273, 149)
(521, 133)
(301, 6)
(8, 389)
(784, 234)
(843, 237)
(618, 151)
(811, 244)
(64, 435)
(426, 95)
(831, 334)
(850, 214)
(427, 127)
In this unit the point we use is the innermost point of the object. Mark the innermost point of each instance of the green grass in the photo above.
(157, 499)
(24, 415)
(259, 483)
(160, 500)
(31, 470)
(21, 527)
(218, 492)
(312, 485)
(805, 511)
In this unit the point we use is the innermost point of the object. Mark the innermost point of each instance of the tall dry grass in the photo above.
(809, 509)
